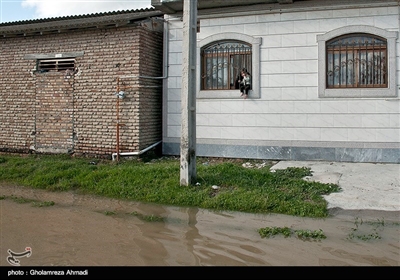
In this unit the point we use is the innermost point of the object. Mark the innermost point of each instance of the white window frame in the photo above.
(255, 42)
(390, 91)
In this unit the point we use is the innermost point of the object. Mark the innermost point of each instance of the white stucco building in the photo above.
(325, 79)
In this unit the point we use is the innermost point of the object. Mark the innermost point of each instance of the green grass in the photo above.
(302, 234)
(35, 203)
(368, 230)
(156, 180)
(148, 218)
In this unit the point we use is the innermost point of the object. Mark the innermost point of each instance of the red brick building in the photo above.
(60, 78)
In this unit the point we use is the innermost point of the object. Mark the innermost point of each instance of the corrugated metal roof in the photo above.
(77, 21)
(76, 16)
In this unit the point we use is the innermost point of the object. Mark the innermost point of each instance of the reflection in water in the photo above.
(190, 238)
(91, 231)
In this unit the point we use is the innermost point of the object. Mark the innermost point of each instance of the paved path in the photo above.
(365, 186)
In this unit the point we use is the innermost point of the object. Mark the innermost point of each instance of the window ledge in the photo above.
(225, 94)
(358, 92)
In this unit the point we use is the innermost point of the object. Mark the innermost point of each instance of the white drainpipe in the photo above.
(165, 70)
(135, 153)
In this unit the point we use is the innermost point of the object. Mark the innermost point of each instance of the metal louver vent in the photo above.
(56, 64)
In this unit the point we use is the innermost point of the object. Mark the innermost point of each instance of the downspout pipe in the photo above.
(135, 153)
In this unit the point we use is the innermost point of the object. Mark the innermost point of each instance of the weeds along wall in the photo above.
(75, 111)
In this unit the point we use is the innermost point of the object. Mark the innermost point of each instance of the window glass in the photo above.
(356, 61)
(222, 62)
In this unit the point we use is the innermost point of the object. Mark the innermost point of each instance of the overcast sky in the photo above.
(17, 10)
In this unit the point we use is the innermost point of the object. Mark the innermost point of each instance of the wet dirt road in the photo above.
(85, 230)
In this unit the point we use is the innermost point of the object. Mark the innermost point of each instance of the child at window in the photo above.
(245, 84)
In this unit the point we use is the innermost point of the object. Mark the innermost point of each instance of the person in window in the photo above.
(239, 78)
(245, 83)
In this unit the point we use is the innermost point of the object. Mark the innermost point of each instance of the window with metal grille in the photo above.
(356, 61)
(221, 63)
(55, 64)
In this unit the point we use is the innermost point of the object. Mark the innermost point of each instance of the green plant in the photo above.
(310, 234)
(148, 218)
(358, 233)
(272, 231)
(156, 180)
(34, 202)
(21, 199)
(364, 237)
(109, 213)
(286, 232)
(43, 204)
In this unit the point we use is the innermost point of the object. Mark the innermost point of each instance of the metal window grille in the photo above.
(55, 64)
(357, 61)
(222, 63)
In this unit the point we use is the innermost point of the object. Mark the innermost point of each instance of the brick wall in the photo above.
(54, 113)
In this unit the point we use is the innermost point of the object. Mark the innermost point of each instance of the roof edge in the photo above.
(116, 18)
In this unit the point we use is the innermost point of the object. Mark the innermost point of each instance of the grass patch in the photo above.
(42, 203)
(147, 218)
(35, 203)
(22, 200)
(368, 230)
(304, 235)
(156, 180)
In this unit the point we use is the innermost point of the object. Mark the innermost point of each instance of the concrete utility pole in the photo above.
(188, 95)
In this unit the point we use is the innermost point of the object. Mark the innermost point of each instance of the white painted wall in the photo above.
(289, 111)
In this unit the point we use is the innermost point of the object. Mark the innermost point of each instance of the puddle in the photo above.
(85, 230)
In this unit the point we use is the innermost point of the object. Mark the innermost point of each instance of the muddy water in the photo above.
(85, 230)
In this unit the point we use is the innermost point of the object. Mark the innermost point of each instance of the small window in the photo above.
(55, 64)
(221, 63)
(356, 61)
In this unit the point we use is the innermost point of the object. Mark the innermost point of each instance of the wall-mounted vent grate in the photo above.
(55, 64)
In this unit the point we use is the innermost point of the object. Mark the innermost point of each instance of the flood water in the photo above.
(85, 230)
